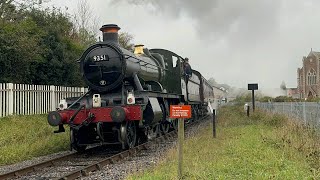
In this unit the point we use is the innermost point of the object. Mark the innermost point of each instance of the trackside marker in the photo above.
(180, 112)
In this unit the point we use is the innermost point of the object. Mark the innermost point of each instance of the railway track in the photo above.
(75, 165)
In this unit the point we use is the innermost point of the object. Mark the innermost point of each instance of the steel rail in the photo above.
(35, 167)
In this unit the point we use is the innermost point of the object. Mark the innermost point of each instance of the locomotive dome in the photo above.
(102, 64)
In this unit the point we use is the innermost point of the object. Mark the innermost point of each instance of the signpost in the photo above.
(253, 87)
(180, 112)
(214, 132)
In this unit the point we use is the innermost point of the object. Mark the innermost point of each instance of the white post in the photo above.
(304, 113)
(291, 109)
(10, 98)
(82, 90)
(53, 98)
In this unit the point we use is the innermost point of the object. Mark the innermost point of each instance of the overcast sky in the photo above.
(235, 42)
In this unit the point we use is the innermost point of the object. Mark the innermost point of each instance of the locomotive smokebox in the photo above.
(110, 33)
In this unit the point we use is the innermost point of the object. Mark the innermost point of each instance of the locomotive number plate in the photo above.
(180, 111)
(100, 58)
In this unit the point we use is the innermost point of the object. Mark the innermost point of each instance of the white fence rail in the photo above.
(28, 99)
(307, 112)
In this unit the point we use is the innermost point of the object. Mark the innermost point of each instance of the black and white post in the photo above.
(214, 132)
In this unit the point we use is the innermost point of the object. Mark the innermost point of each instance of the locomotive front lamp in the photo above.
(130, 98)
(63, 104)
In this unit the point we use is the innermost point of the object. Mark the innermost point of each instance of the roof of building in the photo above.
(219, 88)
(317, 54)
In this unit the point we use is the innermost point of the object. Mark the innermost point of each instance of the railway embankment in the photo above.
(262, 146)
(26, 137)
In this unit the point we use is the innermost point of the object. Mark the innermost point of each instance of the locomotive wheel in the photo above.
(129, 134)
(74, 142)
(165, 127)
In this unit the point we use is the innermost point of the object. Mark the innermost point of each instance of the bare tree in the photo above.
(87, 25)
(86, 22)
(125, 40)
(283, 86)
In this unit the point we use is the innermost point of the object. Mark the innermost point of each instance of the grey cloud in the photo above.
(216, 19)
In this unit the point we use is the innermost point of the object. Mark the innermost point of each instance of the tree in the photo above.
(39, 48)
(125, 40)
(283, 86)
(86, 23)
(212, 82)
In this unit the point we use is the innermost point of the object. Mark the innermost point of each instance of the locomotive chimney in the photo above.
(110, 33)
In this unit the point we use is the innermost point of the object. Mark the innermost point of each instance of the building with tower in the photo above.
(308, 77)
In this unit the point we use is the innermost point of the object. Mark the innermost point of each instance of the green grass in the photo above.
(25, 137)
(260, 147)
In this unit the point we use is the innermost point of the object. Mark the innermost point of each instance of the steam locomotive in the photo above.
(129, 94)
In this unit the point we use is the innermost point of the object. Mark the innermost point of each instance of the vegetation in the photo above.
(286, 99)
(259, 147)
(24, 137)
(242, 98)
(38, 46)
(42, 46)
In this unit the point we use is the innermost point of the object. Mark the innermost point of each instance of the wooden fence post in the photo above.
(53, 98)
(82, 90)
(10, 99)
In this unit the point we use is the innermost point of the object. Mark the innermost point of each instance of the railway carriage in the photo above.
(129, 94)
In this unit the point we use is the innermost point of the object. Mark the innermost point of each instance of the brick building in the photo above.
(309, 76)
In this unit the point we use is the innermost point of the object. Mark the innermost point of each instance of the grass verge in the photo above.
(25, 137)
(259, 147)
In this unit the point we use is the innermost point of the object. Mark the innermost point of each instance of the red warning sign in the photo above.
(180, 111)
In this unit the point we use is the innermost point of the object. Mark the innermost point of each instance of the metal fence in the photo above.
(28, 99)
(306, 112)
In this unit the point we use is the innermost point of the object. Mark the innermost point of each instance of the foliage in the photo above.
(213, 82)
(42, 46)
(265, 99)
(39, 46)
(85, 23)
(283, 99)
(125, 40)
(283, 86)
(241, 99)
